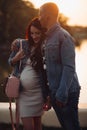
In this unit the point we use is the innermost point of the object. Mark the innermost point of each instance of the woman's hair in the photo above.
(36, 23)
(35, 55)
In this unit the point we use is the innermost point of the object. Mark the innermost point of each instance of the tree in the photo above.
(15, 15)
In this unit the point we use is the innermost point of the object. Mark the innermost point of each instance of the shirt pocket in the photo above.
(52, 53)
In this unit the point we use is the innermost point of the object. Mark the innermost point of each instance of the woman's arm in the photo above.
(16, 54)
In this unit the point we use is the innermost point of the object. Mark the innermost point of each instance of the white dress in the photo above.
(30, 99)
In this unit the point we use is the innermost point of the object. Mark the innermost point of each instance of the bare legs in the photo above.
(32, 123)
(37, 123)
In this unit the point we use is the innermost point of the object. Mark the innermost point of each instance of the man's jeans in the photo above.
(68, 115)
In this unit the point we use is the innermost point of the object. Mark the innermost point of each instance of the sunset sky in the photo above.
(76, 10)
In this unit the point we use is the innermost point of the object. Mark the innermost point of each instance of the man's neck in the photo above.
(51, 25)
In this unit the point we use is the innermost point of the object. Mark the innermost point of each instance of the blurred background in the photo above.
(14, 18)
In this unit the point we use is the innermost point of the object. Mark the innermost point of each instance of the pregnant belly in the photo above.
(29, 78)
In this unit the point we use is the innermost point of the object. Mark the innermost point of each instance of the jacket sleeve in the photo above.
(10, 58)
(13, 52)
(68, 68)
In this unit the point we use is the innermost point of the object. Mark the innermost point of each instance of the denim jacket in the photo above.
(17, 71)
(62, 77)
(22, 62)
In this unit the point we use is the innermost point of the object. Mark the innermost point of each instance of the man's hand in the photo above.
(47, 105)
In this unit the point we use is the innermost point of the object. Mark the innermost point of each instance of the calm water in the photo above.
(81, 68)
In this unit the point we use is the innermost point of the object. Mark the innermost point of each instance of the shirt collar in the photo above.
(53, 28)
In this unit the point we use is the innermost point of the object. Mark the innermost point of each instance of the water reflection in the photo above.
(81, 68)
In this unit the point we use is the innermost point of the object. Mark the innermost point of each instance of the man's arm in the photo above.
(68, 70)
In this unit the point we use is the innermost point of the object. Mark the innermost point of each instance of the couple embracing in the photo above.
(48, 77)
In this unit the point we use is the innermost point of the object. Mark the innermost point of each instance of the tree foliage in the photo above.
(14, 15)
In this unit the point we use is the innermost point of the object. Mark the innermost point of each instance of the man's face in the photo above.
(43, 17)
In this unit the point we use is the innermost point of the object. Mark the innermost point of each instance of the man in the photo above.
(60, 65)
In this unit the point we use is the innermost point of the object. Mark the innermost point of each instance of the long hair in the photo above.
(35, 55)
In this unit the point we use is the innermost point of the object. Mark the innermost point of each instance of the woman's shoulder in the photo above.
(16, 42)
(24, 41)
(20, 39)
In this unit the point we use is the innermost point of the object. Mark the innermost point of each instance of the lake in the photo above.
(81, 68)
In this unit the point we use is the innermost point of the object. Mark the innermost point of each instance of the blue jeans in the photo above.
(68, 115)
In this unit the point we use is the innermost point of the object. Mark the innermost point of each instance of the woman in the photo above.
(33, 78)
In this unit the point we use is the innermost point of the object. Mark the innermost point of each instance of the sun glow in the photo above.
(76, 10)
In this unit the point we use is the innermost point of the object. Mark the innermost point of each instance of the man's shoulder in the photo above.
(61, 31)
(64, 34)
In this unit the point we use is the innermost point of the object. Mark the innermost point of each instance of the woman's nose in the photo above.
(34, 36)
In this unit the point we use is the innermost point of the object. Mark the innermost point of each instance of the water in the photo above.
(81, 68)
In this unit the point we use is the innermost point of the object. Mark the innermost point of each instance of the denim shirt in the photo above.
(62, 77)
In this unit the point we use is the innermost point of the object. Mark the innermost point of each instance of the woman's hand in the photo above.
(14, 46)
(20, 54)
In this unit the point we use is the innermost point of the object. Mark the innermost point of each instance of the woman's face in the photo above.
(35, 34)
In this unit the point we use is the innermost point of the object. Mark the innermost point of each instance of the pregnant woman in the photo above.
(32, 75)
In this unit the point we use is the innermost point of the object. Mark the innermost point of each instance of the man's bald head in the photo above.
(51, 8)
(48, 14)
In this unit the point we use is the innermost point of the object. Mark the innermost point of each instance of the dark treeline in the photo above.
(14, 18)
